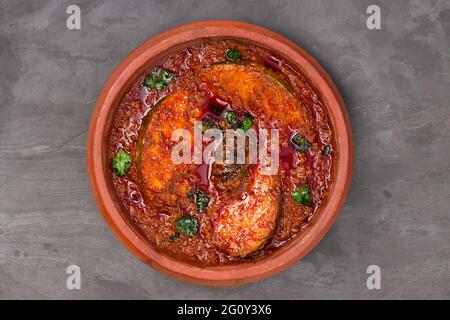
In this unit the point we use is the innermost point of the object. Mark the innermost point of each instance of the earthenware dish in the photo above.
(168, 42)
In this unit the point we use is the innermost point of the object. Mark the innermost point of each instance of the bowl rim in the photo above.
(234, 274)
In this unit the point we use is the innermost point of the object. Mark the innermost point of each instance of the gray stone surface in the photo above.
(395, 81)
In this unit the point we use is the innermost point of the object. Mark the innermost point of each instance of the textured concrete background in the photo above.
(395, 81)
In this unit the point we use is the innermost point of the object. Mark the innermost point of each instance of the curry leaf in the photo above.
(233, 54)
(303, 196)
(201, 202)
(300, 143)
(187, 225)
(200, 199)
(158, 79)
(232, 120)
(208, 123)
(121, 162)
(247, 123)
(326, 150)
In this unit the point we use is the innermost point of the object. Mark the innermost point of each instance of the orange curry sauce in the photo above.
(248, 214)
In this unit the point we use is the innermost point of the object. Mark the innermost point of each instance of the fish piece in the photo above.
(247, 223)
(161, 179)
(255, 88)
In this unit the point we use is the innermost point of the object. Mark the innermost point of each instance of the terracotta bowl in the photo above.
(155, 49)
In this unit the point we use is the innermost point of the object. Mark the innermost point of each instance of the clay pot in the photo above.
(155, 49)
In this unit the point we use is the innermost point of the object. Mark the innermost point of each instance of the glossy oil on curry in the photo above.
(214, 213)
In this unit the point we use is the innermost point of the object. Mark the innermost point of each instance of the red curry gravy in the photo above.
(215, 214)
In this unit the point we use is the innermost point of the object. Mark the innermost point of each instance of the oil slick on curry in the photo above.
(215, 212)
